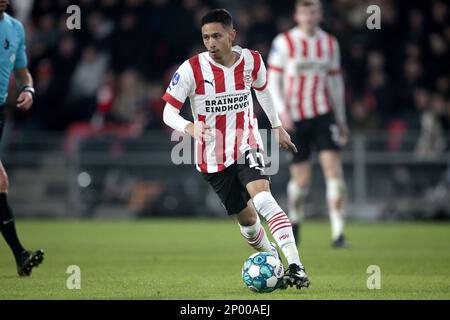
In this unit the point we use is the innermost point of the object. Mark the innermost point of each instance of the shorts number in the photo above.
(257, 163)
(335, 134)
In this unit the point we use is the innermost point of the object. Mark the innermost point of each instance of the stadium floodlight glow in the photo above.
(84, 179)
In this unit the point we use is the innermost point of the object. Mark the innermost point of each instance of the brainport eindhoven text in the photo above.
(227, 103)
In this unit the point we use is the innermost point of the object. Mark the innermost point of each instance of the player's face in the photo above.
(3, 5)
(218, 39)
(308, 17)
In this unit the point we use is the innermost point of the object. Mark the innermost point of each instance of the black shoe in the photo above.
(295, 275)
(29, 260)
(340, 242)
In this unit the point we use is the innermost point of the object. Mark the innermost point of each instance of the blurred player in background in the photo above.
(218, 83)
(13, 57)
(308, 92)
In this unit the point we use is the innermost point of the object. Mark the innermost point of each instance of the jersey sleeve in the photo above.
(335, 64)
(21, 55)
(278, 54)
(259, 72)
(180, 86)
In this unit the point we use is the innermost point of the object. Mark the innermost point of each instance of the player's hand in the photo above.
(199, 131)
(284, 139)
(343, 133)
(24, 101)
(287, 122)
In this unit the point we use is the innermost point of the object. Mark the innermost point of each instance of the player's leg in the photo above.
(253, 231)
(300, 171)
(328, 144)
(7, 226)
(235, 200)
(25, 260)
(331, 163)
(297, 192)
(279, 224)
(281, 230)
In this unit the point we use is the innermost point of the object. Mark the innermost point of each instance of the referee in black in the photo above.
(13, 58)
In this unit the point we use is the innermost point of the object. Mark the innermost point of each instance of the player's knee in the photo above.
(336, 192)
(301, 182)
(247, 217)
(301, 176)
(333, 173)
(4, 182)
(298, 189)
(331, 165)
(257, 187)
(248, 221)
(297, 193)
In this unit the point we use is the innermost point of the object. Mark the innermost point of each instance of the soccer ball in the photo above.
(262, 271)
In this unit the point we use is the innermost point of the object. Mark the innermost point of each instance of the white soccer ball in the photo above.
(262, 272)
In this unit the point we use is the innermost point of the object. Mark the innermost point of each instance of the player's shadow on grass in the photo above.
(9, 277)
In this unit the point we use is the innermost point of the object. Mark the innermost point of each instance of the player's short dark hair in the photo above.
(218, 15)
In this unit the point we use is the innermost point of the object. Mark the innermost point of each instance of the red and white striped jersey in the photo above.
(221, 97)
(305, 63)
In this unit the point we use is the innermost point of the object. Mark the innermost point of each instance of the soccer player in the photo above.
(13, 57)
(218, 83)
(308, 92)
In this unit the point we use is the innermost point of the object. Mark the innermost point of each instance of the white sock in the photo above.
(256, 237)
(335, 198)
(279, 225)
(296, 200)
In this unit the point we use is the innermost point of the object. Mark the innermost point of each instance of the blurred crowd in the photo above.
(116, 67)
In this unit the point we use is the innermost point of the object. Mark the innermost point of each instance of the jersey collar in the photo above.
(316, 35)
(236, 49)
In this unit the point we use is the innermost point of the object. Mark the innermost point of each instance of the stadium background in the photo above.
(94, 144)
(93, 152)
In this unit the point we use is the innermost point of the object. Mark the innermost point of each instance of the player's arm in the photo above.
(264, 96)
(265, 100)
(22, 75)
(179, 89)
(172, 118)
(336, 89)
(276, 67)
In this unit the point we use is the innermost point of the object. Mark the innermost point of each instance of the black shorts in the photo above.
(321, 133)
(2, 120)
(230, 183)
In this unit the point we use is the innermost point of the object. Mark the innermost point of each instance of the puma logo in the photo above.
(210, 82)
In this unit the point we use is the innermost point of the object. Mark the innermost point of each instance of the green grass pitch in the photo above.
(202, 259)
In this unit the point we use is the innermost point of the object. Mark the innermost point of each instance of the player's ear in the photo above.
(295, 15)
(320, 15)
(297, 12)
(233, 34)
